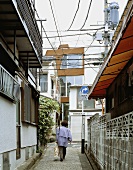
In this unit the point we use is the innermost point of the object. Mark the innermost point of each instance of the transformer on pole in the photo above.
(111, 19)
(113, 14)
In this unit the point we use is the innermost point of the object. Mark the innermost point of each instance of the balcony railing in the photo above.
(8, 85)
(27, 13)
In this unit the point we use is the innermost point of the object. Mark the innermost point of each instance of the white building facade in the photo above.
(89, 107)
(49, 85)
(20, 52)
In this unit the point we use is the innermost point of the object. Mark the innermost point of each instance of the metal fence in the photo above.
(110, 141)
(27, 13)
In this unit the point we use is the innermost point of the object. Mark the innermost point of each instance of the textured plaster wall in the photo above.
(29, 135)
(7, 125)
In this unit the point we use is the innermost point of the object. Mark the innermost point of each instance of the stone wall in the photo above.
(110, 141)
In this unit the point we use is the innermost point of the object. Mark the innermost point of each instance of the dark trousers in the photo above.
(62, 152)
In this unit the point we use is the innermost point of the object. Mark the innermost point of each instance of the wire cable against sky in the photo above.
(87, 29)
(58, 32)
(74, 15)
(56, 26)
(83, 46)
(55, 21)
(75, 65)
(68, 35)
(91, 42)
(64, 69)
(86, 59)
(45, 32)
(87, 15)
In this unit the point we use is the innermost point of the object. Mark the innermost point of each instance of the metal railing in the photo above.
(8, 85)
(27, 13)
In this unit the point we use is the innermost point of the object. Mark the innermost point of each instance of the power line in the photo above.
(74, 15)
(72, 68)
(73, 40)
(91, 46)
(89, 29)
(55, 21)
(58, 34)
(87, 15)
(45, 31)
(68, 35)
(55, 59)
(55, 24)
(73, 65)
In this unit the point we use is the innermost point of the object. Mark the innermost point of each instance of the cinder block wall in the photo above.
(110, 142)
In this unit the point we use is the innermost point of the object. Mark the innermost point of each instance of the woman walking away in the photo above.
(63, 135)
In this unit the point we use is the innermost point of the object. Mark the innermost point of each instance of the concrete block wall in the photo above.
(110, 142)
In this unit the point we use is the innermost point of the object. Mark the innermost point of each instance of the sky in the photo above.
(59, 15)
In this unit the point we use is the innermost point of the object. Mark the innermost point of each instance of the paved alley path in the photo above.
(74, 160)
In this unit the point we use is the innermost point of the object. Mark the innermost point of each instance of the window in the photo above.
(33, 110)
(67, 81)
(72, 61)
(8, 85)
(89, 104)
(78, 80)
(70, 81)
(44, 82)
(66, 110)
(27, 97)
(63, 86)
(29, 105)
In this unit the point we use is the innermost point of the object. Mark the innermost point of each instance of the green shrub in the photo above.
(46, 108)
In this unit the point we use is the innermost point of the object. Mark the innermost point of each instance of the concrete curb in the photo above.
(94, 167)
(30, 162)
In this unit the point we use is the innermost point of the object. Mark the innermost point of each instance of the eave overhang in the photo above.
(119, 55)
(15, 31)
(7, 62)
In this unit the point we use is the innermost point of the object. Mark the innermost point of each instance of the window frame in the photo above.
(29, 99)
(66, 86)
(68, 60)
(45, 83)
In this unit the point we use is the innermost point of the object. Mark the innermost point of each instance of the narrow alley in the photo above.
(66, 75)
(74, 159)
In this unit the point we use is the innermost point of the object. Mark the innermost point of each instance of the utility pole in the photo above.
(106, 41)
(84, 95)
(83, 129)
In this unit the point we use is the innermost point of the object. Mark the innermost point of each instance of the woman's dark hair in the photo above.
(64, 123)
